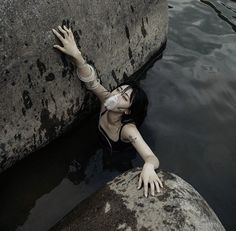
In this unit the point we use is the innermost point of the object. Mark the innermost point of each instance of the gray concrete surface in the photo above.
(120, 206)
(40, 93)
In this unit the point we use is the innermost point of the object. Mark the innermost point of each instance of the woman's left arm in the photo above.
(148, 174)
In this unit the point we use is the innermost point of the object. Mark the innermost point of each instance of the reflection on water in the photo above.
(193, 102)
(224, 12)
(191, 126)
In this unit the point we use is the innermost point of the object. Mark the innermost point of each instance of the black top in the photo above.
(114, 146)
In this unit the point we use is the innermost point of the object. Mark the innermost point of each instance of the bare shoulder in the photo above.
(129, 132)
(132, 134)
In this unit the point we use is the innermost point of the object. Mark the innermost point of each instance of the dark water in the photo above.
(191, 126)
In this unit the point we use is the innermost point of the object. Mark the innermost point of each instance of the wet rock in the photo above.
(41, 95)
(120, 206)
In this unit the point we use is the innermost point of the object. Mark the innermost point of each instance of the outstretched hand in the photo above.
(148, 175)
(69, 45)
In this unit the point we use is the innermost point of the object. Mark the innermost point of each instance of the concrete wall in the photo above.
(40, 93)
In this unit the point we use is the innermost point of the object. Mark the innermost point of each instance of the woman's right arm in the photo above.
(85, 71)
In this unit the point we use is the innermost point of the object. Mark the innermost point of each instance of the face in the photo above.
(124, 98)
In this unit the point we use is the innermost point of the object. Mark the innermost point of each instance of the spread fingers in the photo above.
(66, 29)
(58, 35)
(152, 188)
(157, 186)
(63, 31)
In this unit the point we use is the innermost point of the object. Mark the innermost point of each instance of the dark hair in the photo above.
(139, 104)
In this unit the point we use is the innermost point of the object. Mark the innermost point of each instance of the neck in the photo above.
(114, 118)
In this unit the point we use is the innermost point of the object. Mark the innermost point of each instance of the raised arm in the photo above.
(148, 174)
(85, 72)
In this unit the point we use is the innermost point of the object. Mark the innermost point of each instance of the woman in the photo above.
(120, 115)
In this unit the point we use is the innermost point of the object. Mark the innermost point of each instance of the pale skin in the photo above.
(111, 121)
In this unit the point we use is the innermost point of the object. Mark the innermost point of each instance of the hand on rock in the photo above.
(148, 175)
(69, 45)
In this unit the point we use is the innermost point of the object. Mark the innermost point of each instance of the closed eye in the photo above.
(120, 90)
(124, 97)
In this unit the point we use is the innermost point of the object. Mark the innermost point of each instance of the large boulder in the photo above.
(120, 206)
(40, 93)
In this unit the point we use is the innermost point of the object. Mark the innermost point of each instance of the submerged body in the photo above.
(122, 112)
(111, 145)
(117, 153)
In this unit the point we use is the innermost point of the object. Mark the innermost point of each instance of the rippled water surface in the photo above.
(191, 126)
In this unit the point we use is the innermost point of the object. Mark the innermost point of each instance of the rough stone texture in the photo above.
(120, 206)
(40, 93)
